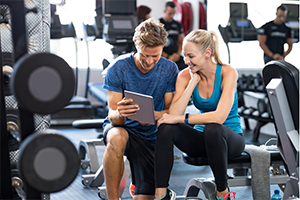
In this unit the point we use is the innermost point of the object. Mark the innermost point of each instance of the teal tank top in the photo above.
(210, 104)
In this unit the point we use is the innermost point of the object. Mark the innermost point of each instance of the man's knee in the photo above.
(117, 138)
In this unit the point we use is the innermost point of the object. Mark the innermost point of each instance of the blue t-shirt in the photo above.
(210, 104)
(123, 74)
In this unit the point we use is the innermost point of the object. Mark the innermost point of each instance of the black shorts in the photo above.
(140, 154)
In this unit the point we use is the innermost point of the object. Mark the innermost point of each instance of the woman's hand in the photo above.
(168, 119)
(194, 77)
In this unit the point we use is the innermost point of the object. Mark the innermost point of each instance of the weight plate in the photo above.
(48, 161)
(42, 83)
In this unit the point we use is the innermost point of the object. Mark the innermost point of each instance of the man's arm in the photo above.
(290, 42)
(119, 108)
(262, 39)
(176, 56)
(179, 43)
(262, 43)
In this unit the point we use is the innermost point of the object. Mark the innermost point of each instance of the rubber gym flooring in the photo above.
(180, 176)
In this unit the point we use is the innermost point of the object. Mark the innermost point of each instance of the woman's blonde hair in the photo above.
(205, 40)
(150, 34)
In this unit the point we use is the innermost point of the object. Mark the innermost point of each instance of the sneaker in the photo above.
(228, 196)
(131, 189)
(170, 195)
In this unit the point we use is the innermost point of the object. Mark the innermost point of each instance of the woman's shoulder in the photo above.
(228, 70)
(184, 74)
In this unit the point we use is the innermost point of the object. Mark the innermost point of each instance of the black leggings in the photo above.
(216, 142)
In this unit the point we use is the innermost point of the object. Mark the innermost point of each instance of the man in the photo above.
(273, 35)
(172, 50)
(144, 72)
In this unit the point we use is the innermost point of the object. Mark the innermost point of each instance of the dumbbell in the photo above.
(48, 161)
(43, 83)
(258, 82)
(250, 82)
(241, 83)
(261, 106)
(241, 101)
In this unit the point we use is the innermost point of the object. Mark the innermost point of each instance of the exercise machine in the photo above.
(79, 107)
(282, 80)
(239, 27)
(119, 24)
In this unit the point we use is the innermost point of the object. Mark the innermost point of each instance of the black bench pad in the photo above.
(243, 158)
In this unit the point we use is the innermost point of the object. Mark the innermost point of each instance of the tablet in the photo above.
(146, 112)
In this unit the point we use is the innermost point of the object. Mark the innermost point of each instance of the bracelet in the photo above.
(186, 120)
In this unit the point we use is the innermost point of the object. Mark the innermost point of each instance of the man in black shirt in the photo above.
(273, 35)
(172, 50)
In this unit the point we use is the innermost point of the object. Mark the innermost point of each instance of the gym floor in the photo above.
(180, 176)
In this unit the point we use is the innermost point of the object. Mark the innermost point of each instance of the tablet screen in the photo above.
(146, 112)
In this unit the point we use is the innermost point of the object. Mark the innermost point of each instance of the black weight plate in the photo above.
(42, 83)
(48, 162)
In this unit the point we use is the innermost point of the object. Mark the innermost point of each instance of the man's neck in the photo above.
(277, 22)
(167, 20)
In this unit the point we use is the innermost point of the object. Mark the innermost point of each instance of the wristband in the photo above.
(186, 120)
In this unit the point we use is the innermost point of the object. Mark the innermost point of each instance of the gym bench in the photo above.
(243, 179)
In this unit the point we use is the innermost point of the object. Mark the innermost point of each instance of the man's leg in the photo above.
(113, 164)
(143, 197)
(140, 154)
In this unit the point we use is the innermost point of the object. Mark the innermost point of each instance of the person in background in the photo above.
(143, 13)
(217, 134)
(273, 35)
(172, 50)
(143, 72)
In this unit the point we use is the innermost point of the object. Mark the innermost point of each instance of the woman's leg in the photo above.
(186, 138)
(221, 143)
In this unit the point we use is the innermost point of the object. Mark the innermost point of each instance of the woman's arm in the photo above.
(185, 84)
(228, 86)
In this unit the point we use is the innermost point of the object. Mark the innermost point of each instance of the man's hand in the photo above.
(277, 56)
(126, 107)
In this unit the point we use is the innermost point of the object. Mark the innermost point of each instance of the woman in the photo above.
(143, 13)
(217, 133)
